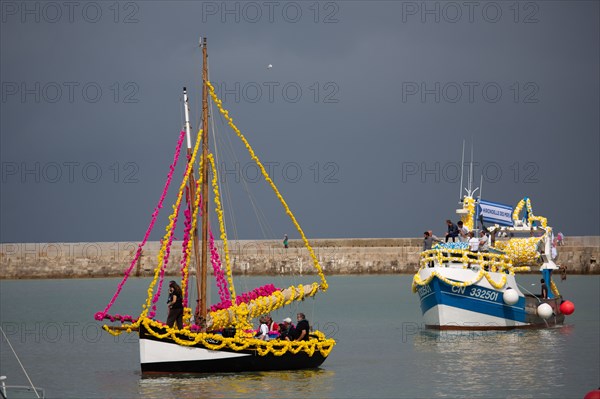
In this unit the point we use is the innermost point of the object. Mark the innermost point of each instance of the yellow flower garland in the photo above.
(241, 313)
(521, 251)
(417, 281)
(268, 179)
(497, 262)
(467, 219)
(185, 337)
(531, 218)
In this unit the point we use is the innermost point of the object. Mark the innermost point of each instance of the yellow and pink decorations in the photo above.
(104, 314)
(268, 179)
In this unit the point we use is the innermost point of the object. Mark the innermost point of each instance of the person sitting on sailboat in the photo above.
(302, 328)
(263, 330)
(286, 329)
(271, 324)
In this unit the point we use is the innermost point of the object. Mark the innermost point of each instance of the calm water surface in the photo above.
(383, 351)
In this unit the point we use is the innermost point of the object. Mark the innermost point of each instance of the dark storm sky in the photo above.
(361, 118)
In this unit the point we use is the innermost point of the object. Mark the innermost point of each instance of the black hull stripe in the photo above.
(253, 362)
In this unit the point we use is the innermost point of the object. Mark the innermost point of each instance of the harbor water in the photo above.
(383, 350)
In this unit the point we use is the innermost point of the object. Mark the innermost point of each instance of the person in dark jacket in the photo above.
(302, 328)
(175, 303)
(452, 231)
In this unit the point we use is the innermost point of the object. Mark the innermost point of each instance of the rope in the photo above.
(531, 293)
(20, 364)
(268, 179)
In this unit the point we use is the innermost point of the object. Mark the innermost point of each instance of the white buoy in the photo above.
(510, 296)
(270, 66)
(544, 311)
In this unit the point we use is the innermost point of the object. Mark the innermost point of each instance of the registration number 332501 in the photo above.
(483, 294)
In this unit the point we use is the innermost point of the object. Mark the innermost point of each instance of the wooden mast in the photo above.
(203, 261)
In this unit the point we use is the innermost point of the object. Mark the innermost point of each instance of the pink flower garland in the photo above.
(220, 279)
(265, 290)
(214, 256)
(104, 314)
(165, 260)
(163, 268)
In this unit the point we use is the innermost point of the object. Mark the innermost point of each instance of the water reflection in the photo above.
(489, 363)
(272, 384)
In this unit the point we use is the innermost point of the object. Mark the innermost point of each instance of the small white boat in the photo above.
(18, 391)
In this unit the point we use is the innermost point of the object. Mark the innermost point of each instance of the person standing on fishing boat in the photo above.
(452, 231)
(175, 305)
(463, 232)
(544, 289)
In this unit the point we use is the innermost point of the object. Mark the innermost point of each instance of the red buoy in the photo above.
(595, 394)
(567, 307)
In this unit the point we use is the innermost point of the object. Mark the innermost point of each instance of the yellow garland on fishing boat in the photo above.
(518, 209)
(418, 281)
(526, 202)
(554, 288)
(268, 179)
(496, 262)
(521, 251)
(467, 219)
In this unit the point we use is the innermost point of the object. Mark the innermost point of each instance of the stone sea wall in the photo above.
(581, 255)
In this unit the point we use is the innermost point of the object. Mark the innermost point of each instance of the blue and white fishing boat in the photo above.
(461, 288)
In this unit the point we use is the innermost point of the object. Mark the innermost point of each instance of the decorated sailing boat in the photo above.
(461, 287)
(219, 338)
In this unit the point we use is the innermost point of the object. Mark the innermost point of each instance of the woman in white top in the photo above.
(263, 330)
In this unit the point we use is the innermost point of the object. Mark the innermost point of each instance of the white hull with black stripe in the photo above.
(166, 356)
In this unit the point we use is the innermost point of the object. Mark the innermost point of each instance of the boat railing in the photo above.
(494, 262)
(21, 392)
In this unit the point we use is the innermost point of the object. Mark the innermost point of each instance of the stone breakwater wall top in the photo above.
(581, 255)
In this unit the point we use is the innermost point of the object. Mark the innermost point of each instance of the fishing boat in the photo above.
(462, 289)
(465, 289)
(219, 338)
